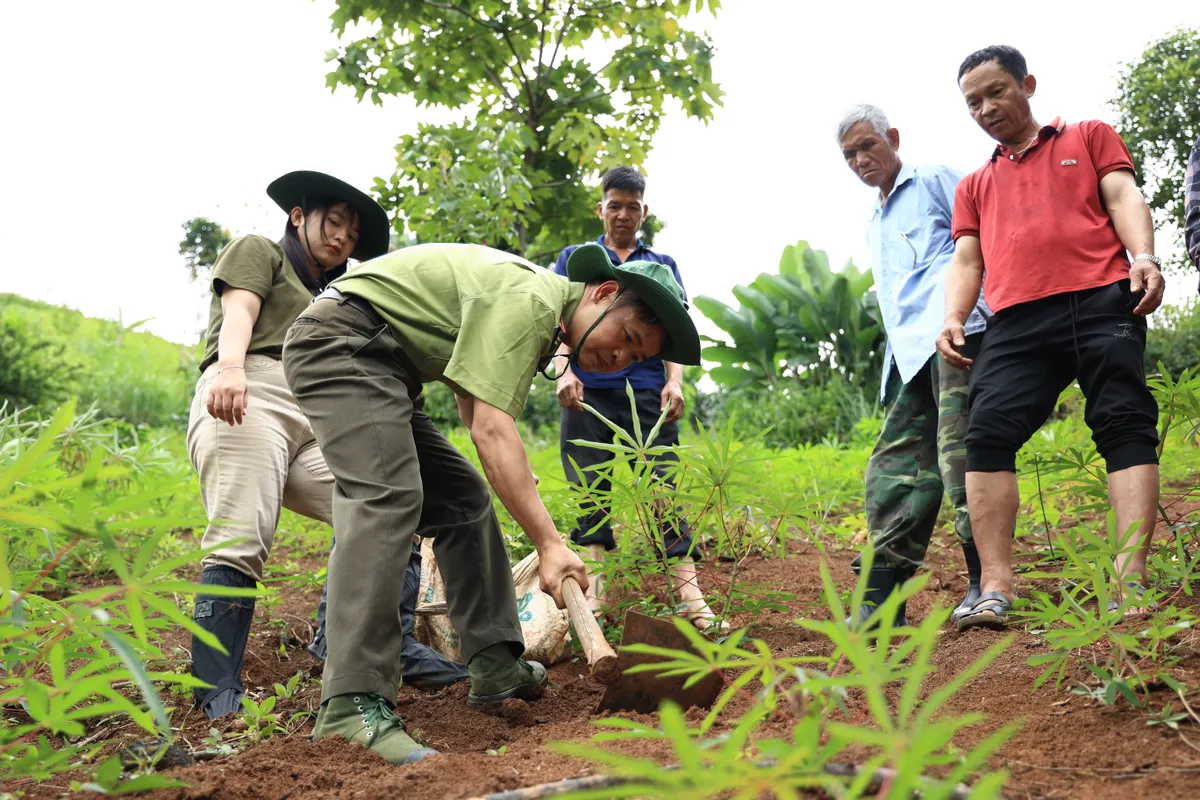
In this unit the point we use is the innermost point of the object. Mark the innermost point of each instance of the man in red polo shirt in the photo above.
(1057, 232)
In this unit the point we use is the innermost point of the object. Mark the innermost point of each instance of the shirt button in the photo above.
(1012, 158)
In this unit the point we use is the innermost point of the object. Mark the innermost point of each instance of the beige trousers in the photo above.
(249, 471)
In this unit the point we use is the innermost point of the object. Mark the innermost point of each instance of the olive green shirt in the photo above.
(474, 318)
(256, 264)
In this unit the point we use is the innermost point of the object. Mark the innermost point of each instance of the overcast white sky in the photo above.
(126, 118)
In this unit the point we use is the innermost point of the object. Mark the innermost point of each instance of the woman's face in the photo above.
(329, 236)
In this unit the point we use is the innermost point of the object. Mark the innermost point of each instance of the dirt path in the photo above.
(1068, 747)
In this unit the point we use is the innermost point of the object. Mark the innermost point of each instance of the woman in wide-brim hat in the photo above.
(249, 442)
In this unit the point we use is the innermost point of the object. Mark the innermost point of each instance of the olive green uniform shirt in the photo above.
(474, 318)
(257, 264)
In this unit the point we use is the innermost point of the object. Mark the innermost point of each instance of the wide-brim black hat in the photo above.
(655, 285)
(289, 191)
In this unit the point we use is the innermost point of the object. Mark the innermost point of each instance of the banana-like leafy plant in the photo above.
(805, 323)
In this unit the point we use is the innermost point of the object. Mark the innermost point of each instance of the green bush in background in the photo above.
(798, 414)
(49, 352)
(1175, 339)
(34, 370)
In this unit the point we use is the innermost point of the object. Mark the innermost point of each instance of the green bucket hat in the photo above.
(653, 284)
(290, 190)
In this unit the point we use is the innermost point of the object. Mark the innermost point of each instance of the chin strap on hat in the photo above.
(573, 356)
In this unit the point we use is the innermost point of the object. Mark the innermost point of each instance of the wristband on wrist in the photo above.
(1148, 257)
(232, 366)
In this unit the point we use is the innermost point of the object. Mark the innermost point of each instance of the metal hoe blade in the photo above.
(644, 691)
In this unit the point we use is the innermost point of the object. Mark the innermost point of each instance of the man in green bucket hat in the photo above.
(483, 322)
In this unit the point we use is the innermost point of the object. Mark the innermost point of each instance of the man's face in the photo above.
(871, 155)
(619, 339)
(997, 102)
(622, 211)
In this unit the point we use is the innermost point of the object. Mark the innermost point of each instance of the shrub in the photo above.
(541, 414)
(48, 353)
(798, 413)
(34, 370)
(1175, 339)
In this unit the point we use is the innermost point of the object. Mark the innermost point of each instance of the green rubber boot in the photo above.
(496, 675)
(367, 719)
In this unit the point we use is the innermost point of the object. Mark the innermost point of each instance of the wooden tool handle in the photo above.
(601, 658)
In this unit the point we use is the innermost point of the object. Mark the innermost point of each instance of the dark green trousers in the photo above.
(395, 476)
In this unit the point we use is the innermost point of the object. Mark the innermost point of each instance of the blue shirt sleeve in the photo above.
(560, 266)
(678, 278)
(942, 183)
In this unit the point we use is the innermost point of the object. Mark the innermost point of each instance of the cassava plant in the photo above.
(872, 697)
(70, 656)
(715, 487)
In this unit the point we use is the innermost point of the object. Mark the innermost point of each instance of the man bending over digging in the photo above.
(1057, 232)
(482, 322)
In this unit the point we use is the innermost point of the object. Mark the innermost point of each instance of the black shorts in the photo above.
(1032, 351)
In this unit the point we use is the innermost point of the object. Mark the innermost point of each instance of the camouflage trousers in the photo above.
(921, 454)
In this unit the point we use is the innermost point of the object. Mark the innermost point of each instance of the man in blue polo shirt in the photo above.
(656, 384)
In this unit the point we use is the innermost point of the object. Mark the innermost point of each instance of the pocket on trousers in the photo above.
(260, 364)
(361, 340)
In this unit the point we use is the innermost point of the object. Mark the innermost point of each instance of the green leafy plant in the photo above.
(1158, 119)
(110, 779)
(261, 720)
(902, 726)
(806, 323)
(70, 657)
(709, 487)
(34, 370)
(287, 691)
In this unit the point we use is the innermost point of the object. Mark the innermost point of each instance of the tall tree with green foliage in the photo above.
(201, 243)
(1158, 105)
(554, 92)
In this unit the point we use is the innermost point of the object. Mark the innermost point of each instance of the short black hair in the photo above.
(1009, 58)
(626, 178)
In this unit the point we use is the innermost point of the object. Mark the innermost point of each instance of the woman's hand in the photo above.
(229, 396)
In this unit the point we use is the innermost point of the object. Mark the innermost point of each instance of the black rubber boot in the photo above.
(974, 572)
(318, 648)
(227, 618)
(422, 665)
(881, 582)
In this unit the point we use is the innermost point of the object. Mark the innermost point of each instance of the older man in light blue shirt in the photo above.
(921, 452)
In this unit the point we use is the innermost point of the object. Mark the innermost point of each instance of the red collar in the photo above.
(1046, 131)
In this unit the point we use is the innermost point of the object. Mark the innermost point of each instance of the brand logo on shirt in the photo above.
(1067, 162)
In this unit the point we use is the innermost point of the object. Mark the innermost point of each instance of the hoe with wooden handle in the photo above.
(601, 658)
(644, 691)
